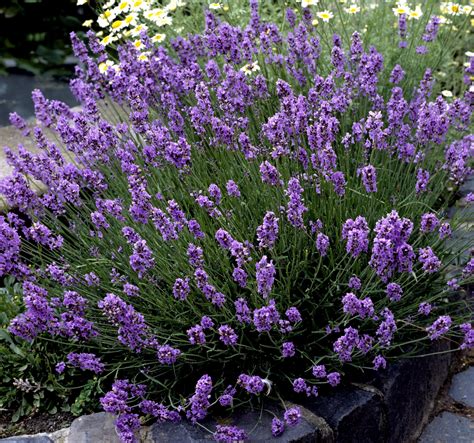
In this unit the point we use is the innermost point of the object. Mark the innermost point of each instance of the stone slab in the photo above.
(409, 389)
(354, 414)
(462, 387)
(93, 428)
(28, 439)
(15, 93)
(449, 428)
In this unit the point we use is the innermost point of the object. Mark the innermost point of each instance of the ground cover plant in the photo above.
(255, 214)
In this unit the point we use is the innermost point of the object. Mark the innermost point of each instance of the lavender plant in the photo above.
(418, 24)
(235, 218)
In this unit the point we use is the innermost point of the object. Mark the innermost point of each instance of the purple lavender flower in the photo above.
(201, 278)
(290, 17)
(253, 384)
(355, 283)
(453, 284)
(397, 75)
(292, 416)
(428, 259)
(242, 310)
(229, 434)
(468, 340)
(346, 343)
(391, 253)
(322, 243)
(356, 232)
(227, 335)
(379, 362)
(319, 371)
(394, 291)
(181, 288)
(278, 427)
(267, 316)
(469, 268)
(295, 208)
(424, 308)
(195, 229)
(199, 402)
(422, 49)
(293, 315)
(215, 193)
(334, 378)
(127, 425)
(132, 330)
(159, 411)
(339, 182)
(265, 276)
(227, 397)
(196, 335)
(267, 232)
(131, 290)
(429, 222)
(19, 123)
(352, 305)
(422, 178)
(299, 385)
(232, 189)
(60, 367)
(195, 256)
(387, 328)
(439, 327)
(206, 322)
(164, 224)
(142, 258)
(240, 277)
(179, 154)
(288, 349)
(167, 355)
(369, 178)
(85, 362)
(402, 26)
(270, 174)
(445, 231)
(223, 238)
(431, 30)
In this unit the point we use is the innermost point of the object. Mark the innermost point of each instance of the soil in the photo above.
(34, 424)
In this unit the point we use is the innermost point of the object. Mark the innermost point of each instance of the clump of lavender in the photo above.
(178, 233)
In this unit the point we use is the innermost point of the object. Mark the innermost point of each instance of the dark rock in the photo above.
(409, 388)
(93, 428)
(449, 428)
(462, 387)
(354, 414)
(183, 432)
(27, 439)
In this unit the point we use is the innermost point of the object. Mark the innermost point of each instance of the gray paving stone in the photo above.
(27, 439)
(462, 387)
(15, 93)
(449, 428)
(93, 428)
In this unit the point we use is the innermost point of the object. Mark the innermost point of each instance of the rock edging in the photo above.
(391, 408)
